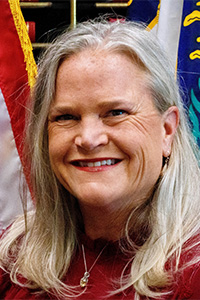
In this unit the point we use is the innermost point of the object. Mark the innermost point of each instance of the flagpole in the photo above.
(73, 14)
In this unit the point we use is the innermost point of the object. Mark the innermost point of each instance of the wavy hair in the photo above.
(43, 249)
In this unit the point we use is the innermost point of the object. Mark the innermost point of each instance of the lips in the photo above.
(96, 163)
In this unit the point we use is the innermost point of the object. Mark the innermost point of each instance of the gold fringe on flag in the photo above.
(25, 42)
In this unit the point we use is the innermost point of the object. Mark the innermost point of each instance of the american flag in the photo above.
(17, 72)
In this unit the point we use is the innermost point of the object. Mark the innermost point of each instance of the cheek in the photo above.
(152, 159)
(56, 148)
(52, 145)
(56, 157)
(60, 150)
(144, 149)
(53, 157)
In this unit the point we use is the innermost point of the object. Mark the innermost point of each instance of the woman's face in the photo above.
(106, 138)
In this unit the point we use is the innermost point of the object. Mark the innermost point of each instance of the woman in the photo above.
(113, 172)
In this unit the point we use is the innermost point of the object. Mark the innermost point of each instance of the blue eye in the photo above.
(117, 112)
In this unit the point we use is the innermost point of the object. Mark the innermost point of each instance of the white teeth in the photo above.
(103, 163)
(90, 164)
(107, 162)
(97, 164)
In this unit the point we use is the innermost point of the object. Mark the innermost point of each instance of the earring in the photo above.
(166, 159)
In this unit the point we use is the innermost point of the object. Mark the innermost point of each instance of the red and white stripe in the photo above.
(14, 92)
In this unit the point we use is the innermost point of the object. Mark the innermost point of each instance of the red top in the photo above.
(109, 266)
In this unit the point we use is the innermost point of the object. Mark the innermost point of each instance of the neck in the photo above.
(101, 223)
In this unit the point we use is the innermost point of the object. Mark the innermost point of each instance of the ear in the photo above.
(170, 124)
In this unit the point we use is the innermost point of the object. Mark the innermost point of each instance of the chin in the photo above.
(96, 199)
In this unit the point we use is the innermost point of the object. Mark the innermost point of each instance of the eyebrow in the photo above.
(108, 104)
(60, 109)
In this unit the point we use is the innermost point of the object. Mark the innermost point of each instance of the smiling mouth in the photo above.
(99, 163)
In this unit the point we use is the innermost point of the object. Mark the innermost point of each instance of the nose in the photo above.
(91, 135)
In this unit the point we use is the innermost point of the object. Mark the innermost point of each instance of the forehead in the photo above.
(91, 79)
(100, 66)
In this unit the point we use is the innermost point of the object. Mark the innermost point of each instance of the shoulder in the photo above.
(10, 290)
(187, 285)
(5, 283)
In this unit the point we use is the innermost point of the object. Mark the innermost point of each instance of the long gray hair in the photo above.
(171, 218)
